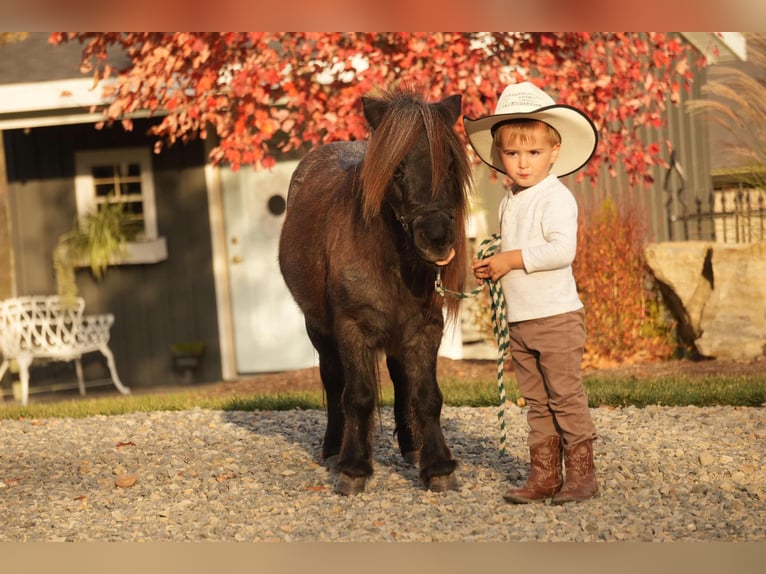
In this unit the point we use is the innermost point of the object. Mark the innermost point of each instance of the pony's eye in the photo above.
(399, 177)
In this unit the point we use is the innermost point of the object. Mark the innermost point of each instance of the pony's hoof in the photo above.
(442, 483)
(348, 485)
(412, 457)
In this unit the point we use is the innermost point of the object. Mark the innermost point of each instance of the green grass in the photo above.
(708, 390)
(748, 391)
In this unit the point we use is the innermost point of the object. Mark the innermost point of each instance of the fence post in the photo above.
(671, 218)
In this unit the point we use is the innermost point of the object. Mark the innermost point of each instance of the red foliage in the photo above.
(268, 93)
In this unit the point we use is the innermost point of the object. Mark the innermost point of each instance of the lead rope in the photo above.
(499, 322)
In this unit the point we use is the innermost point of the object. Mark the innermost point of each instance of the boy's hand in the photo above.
(480, 270)
(494, 267)
(488, 269)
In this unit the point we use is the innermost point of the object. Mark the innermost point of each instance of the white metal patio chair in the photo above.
(33, 327)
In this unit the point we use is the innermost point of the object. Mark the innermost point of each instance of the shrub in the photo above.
(624, 313)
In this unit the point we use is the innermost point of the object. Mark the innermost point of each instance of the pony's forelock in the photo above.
(387, 146)
(389, 143)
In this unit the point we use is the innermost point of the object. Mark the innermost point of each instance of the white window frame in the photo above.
(149, 247)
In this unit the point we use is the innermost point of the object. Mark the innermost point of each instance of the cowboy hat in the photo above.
(525, 100)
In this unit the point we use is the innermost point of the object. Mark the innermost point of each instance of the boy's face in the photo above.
(527, 156)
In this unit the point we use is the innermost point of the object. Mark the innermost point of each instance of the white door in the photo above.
(269, 332)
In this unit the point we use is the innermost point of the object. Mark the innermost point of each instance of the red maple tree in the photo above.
(264, 94)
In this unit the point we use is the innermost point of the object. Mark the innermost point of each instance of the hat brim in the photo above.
(579, 136)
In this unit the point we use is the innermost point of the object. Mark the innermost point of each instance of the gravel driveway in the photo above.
(666, 474)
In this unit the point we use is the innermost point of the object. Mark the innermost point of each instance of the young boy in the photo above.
(534, 141)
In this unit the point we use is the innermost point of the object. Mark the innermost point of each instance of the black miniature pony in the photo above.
(368, 225)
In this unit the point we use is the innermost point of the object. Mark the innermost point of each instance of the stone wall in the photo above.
(717, 292)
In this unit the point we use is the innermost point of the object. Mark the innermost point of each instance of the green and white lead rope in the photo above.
(488, 247)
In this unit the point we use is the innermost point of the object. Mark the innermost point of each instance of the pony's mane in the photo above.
(408, 115)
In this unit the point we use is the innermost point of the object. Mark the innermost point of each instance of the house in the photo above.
(204, 266)
(201, 268)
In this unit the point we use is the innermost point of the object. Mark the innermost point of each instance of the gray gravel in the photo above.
(666, 474)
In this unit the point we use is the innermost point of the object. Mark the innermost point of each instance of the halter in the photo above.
(406, 219)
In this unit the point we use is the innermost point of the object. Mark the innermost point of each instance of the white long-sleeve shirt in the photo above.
(541, 221)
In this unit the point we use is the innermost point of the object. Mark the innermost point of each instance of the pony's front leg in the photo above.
(437, 465)
(358, 400)
(406, 434)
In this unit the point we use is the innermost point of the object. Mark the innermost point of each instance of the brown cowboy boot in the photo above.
(580, 481)
(545, 474)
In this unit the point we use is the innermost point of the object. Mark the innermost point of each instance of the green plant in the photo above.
(194, 348)
(96, 239)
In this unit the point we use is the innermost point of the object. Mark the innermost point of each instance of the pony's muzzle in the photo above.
(434, 236)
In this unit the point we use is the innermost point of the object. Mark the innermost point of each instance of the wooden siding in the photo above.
(155, 305)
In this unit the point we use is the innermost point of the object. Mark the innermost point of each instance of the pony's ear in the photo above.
(450, 108)
(374, 110)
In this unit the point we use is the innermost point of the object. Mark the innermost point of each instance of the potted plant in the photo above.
(95, 241)
(187, 356)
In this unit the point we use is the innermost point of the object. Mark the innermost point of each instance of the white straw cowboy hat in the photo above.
(525, 100)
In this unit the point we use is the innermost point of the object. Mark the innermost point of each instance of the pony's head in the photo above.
(417, 164)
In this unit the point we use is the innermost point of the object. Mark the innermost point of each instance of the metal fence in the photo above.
(733, 213)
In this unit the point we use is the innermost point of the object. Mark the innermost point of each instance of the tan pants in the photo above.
(546, 355)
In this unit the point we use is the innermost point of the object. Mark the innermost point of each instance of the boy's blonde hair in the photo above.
(521, 130)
